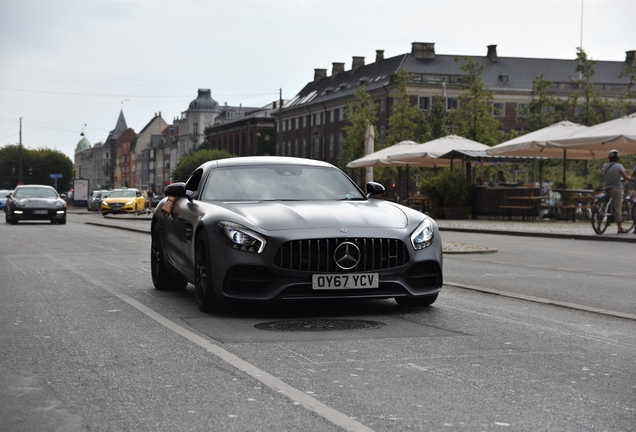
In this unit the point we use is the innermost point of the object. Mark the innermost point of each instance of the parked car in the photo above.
(124, 200)
(95, 200)
(35, 202)
(3, 198)
(273, 228)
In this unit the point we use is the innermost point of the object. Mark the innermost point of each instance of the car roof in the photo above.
(34, 186)
(265, 160)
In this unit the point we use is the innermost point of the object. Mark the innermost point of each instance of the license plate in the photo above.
(348, 281)
(40, 212)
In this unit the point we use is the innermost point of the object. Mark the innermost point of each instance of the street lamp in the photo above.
(30, 171)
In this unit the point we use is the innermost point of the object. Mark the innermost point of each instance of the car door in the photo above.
(186, 214)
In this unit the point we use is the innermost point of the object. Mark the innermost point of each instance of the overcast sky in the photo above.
(68, 66)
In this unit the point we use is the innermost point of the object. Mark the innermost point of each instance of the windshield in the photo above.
(121, 193)
(279, 182)
(35, 192)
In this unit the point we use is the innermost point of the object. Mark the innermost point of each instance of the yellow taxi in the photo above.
(124, 200)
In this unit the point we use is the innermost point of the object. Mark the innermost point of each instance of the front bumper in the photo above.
(38, 214)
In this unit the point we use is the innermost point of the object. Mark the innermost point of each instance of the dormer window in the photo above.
(503, 78)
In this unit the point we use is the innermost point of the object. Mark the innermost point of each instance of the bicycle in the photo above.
(603, 213)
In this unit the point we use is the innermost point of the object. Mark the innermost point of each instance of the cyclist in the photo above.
(612, 173)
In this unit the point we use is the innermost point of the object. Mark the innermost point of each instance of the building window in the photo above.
(451, 104)
(382, 133)
(152, 153)
(230, 114)
(382, 105)
(195, 128)
(499, 109)
(304, 147)
(341, 112)
(295, 148)
(424, 103)
(521, 107)
(288, 147)
(331, 116)
(332, 146)
(618, 113)
(304, 121)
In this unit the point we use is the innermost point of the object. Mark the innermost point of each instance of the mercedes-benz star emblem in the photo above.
(347, 255)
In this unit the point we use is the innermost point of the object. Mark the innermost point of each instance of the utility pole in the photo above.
(20, 176)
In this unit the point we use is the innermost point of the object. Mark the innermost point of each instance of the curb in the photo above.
(599, 237)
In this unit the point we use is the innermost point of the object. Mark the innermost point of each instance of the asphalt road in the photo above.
(89, 344)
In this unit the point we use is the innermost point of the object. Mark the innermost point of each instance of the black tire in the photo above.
(628, 215)
(162, 279)
(62, 222)
(416, 301)
(203, 284)
(599, 220)
(11, 220)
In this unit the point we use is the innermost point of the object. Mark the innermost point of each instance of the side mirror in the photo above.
(177, 190)
(375, 189)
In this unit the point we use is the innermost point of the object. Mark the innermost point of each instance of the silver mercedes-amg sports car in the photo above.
(280, 228)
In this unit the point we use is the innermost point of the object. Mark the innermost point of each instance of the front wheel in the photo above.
(203, 284)
(628, 214)
(162, 279)
(599, 219)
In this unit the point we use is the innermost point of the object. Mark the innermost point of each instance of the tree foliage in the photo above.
(473, 119)
(358, 115)
(189, 162)
(585, 97)
(402, 123)
(37, 167)
(543, 110)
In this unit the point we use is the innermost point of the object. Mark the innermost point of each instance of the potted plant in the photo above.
(450, 191)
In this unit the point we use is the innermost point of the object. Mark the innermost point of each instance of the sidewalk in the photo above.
(555, 229)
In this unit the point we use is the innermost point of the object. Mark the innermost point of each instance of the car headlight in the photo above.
(104, 204)
(60, 204)
(19, 203)
(241, 238)
(129, 203)
(423, 235)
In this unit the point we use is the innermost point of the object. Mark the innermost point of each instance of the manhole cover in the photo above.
(318, 325)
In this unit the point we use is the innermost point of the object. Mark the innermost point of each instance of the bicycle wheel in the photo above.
(628, 214)
(599, 218)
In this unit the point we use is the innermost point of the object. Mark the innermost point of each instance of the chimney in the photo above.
(631, 58)
(319, 74)
(492, 53)
(357, 62)
(337, 68)
(423, 50)
(379, 55)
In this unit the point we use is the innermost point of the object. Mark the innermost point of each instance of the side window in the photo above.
(193, 182)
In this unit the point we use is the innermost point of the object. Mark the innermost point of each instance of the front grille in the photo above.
(317, 255)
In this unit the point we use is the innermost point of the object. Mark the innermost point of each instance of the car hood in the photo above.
(39, 202)
(122, 200)
(302, 215)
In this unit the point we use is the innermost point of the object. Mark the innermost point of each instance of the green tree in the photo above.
(188, 163)
(37, 167)
(436, 120)
(402, 123)
(358, 115)
(473, 119)
(543, 110)
(585, 100)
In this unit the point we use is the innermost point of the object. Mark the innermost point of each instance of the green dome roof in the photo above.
(83, 144)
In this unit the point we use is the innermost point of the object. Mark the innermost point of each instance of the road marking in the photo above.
(312, 404)
(296, 396)
(543, 300)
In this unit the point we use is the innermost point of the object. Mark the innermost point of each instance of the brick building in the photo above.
(311, 122)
